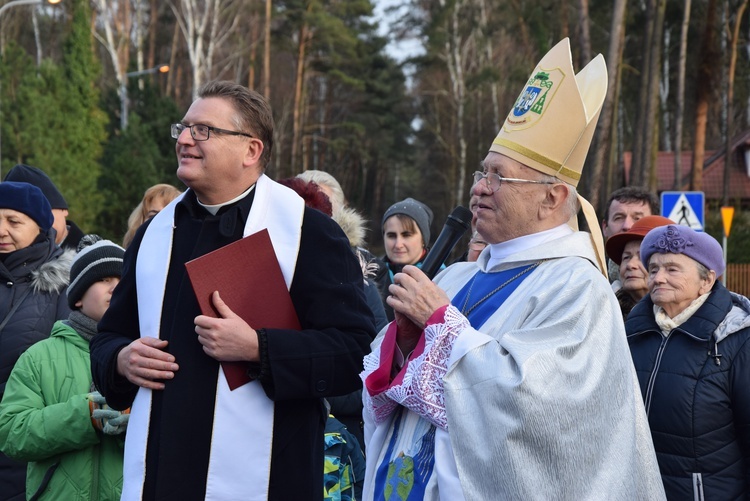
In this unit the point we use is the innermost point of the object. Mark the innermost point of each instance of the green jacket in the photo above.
(45, 420)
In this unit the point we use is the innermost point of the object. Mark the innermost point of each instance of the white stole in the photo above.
(240, 461)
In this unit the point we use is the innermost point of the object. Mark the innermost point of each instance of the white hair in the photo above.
(572, 206)
(322, 178)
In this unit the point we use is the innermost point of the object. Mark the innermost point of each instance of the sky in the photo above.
(398, 50)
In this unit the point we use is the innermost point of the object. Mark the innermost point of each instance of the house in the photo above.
(713, 172)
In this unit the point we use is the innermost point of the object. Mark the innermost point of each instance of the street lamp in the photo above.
(3, 9)
(14, 3)
(162, 68)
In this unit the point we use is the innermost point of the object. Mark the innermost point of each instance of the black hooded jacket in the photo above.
(695, 384)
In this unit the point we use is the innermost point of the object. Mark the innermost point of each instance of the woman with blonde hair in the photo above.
(155, 199)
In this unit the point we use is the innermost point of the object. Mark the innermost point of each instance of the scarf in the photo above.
(666, 324)
(84, 325)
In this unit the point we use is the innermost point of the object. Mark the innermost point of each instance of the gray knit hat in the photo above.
(416, 210)
(96, 259)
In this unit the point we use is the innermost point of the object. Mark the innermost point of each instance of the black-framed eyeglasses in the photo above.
(494, 181)
(201, 132)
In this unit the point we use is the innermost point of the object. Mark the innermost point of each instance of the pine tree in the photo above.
(57, 123)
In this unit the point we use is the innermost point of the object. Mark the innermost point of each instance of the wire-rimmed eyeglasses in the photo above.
(201, 132)
(494, 180)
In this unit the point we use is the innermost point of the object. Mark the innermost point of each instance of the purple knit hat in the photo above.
(676, 239)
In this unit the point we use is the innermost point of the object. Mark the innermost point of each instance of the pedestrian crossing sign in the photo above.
(685, 208)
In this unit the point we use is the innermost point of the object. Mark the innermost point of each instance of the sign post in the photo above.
(685, 208)
(727, 213)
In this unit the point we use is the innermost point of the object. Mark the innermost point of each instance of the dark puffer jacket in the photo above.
(696, 387)
(43, 268)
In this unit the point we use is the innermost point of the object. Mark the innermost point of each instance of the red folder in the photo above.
(247, 275)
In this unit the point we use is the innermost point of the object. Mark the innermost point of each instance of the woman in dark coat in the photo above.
(35, 273)
(406, 237)
(690, 342)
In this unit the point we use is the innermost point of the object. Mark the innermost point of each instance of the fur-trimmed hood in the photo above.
(355, 228)
(53, 275)
(353, 225)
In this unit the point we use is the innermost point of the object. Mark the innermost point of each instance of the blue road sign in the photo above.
(685, 208)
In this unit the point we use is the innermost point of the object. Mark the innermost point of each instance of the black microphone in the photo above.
(455, 226)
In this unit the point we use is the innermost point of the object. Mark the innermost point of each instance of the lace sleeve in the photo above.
(421, 389)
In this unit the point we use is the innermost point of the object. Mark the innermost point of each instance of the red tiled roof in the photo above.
(713, 173)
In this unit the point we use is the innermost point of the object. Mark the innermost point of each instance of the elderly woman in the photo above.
(34, 272)
(690, 342)
(625, 249)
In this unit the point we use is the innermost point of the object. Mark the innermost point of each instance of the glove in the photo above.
(104, 418)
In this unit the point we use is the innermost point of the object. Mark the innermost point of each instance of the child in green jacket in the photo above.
(50, 414)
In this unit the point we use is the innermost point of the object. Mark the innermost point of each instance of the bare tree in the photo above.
(603, 137)
(583, 26)
(734, 35)
(650, 133)
(679, 112)
(267, 52)
(304, 36)
(153, 23)
(704, 86)
(453, 56)
(253, 62)
(488, 60)
(140, 30)
(637, 166)
(645, 140)
(115, 20)
(205, 25)
(664, 95)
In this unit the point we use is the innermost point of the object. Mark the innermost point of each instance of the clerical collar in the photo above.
(500, 251)
(214, 209)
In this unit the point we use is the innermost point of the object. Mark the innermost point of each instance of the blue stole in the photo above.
(472, 300)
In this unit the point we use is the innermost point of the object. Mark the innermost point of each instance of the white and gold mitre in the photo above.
(552, 122)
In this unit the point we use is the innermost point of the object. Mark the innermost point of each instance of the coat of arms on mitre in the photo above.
(534, 99)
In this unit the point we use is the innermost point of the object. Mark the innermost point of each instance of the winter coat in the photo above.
(344, 465)
(626, 302)
(354, 228)
(75, 234)
(45, 419)
(295, 371)
(348, 408)
(383, 274)
(695, 387)
(43, 270)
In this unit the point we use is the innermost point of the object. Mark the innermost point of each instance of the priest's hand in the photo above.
(227, 338)
(145, 363)
(415, 296)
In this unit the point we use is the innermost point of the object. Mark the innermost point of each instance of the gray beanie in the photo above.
(96, 259)
(419, 212)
